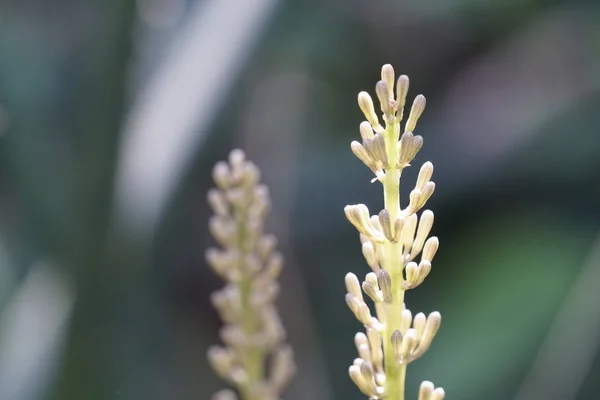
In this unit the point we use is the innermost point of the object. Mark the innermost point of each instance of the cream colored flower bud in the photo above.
(411, 275)
(224, 394)
(217, 202)
(387, 75)
(381, 89)
(366, 370)
(366, 131)
(432, 325)
(236, 158)
(407, 235)
(427, 191)
(353, 286)
(415, 113)
(368, 251)
(371, 277)
(438, 394)
(361, 153)
(425, 390)
(375, 148)
(358, 215)
(409, 343)
(425, 174)
(430, 248)
(364, 314)
(366, 105)
(221, 175)
(283, 368)
(274, 265)
(425, 224)
(385, 284)
(365, 387)
(386, 225)
(362, 346)
(371, 291)
(222, 361)
(419, 323)
(401, 92)
(375, 345)
(424, 270)
(250, 175)
(396, 339)
(398, 225)
(409, 146)
(266, 245)
(406, 320)
(353, 303)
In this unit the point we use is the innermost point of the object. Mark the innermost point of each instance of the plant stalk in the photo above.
(394, 265)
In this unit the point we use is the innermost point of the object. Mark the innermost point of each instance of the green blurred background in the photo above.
(112, 113)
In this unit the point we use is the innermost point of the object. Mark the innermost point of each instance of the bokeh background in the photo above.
(113, 112)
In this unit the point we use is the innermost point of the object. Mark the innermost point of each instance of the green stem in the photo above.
(394, 265)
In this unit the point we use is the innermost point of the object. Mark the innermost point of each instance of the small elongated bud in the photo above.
(430, 248)
(355, 375)
(398, 224)
(376, 349)
(409, 343)
(425, 174)
(366, 106)
(381, 89)
(366, 370)
(387, 75)
(379, 142)
(406, 320)
(401, 92)
(412, 275)
(225, 394)
(362, 346)
(217, 202)
(364, 314)
(386, 225)
(361, 153)
(425, 390)
(438, 394)
(375, 148)
(222, 361)
(358, 215)
(419, 323)
(424, 270)
(426, 193)
(425, 225)
(236, 158)
(432, 325)
(353, 303)
(415, 113)
(371, 277)
(407, 235)
(409, 146)
(366, 131)
(283, 368)
(353, 286)
(385, 284)
(368, 251)
(372, 292)
(396, 339)
(221, 175)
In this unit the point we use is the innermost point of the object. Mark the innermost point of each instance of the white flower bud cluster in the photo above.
(248, 263)
(394, 238)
